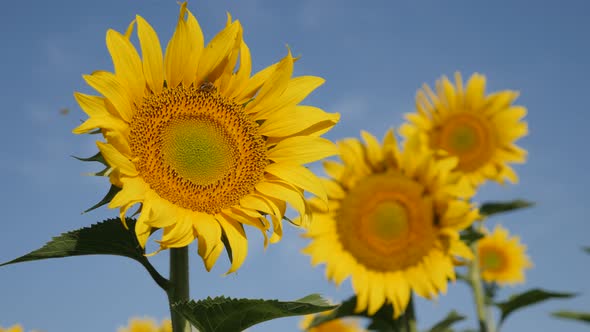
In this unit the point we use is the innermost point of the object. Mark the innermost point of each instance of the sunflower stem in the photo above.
(179, 287)
(474, 278)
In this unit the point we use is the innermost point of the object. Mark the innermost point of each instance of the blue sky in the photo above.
(373, 55)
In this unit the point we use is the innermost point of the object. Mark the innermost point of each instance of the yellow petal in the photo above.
(254, 83)
(302, 149)
(217, 51)
(298, 176)
(133, 190)
(474, 95)
(107, 84)
(376, 292)
(208, 231)
(285, 192)
(153, 61)
(242, 75)
(334, 169)
(180, 234)
(236, 237)
(297, 89)
(196, 42)
(91, 105)
(293, 120)
(127, 63)
(177, 52)
(142, 231)
(272, 88)
(373, 149)
(116, 160)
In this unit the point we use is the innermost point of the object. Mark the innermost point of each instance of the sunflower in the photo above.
(477, 128)
(147, 325)
(336, 325)
(205, 148)
(392, 222)
(502, 259)
(13, 328)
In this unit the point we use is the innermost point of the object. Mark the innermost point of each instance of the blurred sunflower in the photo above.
(336, 325)
(502, 259)
(146, 325)
(477, 128)
(202, 147)
(13, 328)
(392, 222)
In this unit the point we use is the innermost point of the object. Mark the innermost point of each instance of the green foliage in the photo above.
(222, 314)
(106, 199)
(587, 250)
(471, 235)
(109, 237)
(530, 297)
(97, 158)
(573, 315)
(445, 324)
(491, 208)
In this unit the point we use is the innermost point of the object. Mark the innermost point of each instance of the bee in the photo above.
(207, 87)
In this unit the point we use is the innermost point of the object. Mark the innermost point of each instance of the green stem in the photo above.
(179, 286)
(474, 278)
(412, 326)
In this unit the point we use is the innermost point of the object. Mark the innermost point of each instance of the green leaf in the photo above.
(104, 238)
(587, 250)
(223, 314)
(445, 324)
(471, 235)
(527, 298)
(490, 208)
(106, 199)
(97, 157)
(574, 315)
(381, 321)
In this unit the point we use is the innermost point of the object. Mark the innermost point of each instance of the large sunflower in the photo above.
(477, 128)
(392, 222)
(502, 258)
(202, 147)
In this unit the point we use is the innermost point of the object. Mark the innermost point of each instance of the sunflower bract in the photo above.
(203, 147)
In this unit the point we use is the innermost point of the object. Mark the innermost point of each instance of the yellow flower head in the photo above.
(502, 258)
(477, 128)
(392, 222)
(204, 148)
(13, 328)
(336, 325)
(146, 325)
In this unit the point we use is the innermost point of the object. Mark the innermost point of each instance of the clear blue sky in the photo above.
(373, 55)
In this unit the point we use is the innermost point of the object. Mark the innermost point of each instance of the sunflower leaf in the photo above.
(445, 324)
(108, 237)
(573, 315)
(530, 297)
(106, 199)
(471, 235)
(227, 314)
(490, 208)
